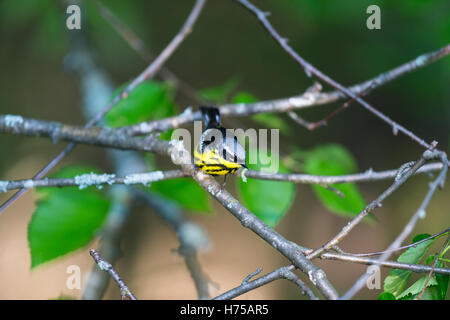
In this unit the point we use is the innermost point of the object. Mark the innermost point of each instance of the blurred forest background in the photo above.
(228, 45)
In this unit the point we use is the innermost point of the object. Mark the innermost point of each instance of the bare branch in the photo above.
(418, 268)
(99, 136)
(280, 273)
(106, 266)
(367, 176)
(314, 125)
(92, 179)
(402, 247)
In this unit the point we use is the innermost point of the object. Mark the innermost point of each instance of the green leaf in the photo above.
(386, 296)
(333, 159)
(415, 289)
(220, 94)
(430, 258)
(184, 191)
(148, 101)
(268, 200)
(65, 219)
(397, 279)
(244, 97)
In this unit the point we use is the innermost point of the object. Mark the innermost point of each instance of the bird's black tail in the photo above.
(211, 117)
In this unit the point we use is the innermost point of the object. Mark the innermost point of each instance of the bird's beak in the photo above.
(245, 166)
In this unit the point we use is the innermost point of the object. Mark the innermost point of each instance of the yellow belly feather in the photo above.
(210, 163)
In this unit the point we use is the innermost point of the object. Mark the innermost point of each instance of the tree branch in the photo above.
(280, 273)
(92, 179)
(106, 266)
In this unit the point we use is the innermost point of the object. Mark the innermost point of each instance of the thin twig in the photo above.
(419, 297)
(314, 125)
(280, 273)
(367, 176)
(418, 268)
(106, 266)
(402, 247)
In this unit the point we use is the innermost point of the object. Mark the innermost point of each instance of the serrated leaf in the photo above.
(333, 159)
(184, 191)
(65, 219)
(386, 296)
(397, 279)
(148, 101)
(268, 200)
(417, 287)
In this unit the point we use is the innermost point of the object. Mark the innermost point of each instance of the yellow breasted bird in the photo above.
(218, 152)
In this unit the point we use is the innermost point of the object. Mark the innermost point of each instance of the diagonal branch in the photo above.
(280, 273)
(125, 292)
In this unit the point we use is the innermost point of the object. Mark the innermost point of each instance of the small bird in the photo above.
(218, 153)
